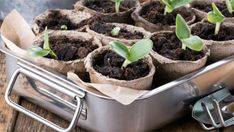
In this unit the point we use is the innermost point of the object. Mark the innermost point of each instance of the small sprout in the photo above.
(115, 31)
(37, 51)
(215, 16)
(183, 33)
(138, 51)
(64, 27)
(173, 4)
(117, 5)
(230, 6)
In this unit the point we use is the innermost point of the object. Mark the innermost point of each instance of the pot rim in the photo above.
(139, 8)
(121, 25)
(80, 4)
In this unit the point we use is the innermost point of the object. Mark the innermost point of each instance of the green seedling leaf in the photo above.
(136, 52)
(115, 31)
(194, 42)
(120, 48)
(216, 17)
(182, 29)
(140, 49)
(37, 51)
(117, 5)
(64, 27)
(173, 4)
(230, 5)
(183, 33)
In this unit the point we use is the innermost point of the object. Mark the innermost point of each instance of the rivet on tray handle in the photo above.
(37, 117)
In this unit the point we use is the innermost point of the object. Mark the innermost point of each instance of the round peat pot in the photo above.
(106, 9)
(222, 45)
(202, 7)
(31, 8)
(158, 22)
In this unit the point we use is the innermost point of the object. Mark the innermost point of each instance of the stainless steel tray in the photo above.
(158, 107)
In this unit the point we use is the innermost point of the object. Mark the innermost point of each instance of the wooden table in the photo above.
(11, 120)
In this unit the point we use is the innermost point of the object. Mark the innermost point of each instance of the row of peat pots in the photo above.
(133, 43)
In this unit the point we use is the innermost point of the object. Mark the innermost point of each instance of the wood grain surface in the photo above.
(11, 121)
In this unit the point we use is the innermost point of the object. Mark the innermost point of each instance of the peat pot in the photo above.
(33, 7)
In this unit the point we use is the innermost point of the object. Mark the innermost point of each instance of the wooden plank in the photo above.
(186, 124)
(228, 129)
(7, 114)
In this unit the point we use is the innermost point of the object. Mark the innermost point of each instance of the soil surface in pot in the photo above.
(207, 8)
(206, 31)
(104, 28)
(109, 64)
(55, 20)
(104, 6)
(68, 50)
(154, 13)
(169, 46)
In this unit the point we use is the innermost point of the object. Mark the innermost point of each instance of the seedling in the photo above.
(37, 51)
(215, 16)
(173, 4)
(115, 31)
(64, 27)
(117, 5)
(230, 6)
(183, 33)
(138, 51)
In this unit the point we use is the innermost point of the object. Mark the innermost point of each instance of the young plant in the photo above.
(183, 33)
(117, 5)
(115, 31)
(230, 6)
(37, 51)
(64, 27)
(173, 4)
(215, 16)
(138, 51)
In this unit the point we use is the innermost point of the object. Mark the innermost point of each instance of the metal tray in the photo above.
(158, 107)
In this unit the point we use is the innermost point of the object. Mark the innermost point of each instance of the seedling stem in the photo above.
(217, 27)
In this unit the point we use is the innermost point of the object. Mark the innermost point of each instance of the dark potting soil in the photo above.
(103, 28)
(55, 20)
(67, 49)
(169, 46)
(154, 13)
(206, 31)
(104, 6)
(207, 8)
(109, 64)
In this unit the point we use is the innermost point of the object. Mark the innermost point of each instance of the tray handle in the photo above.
(34, 115)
